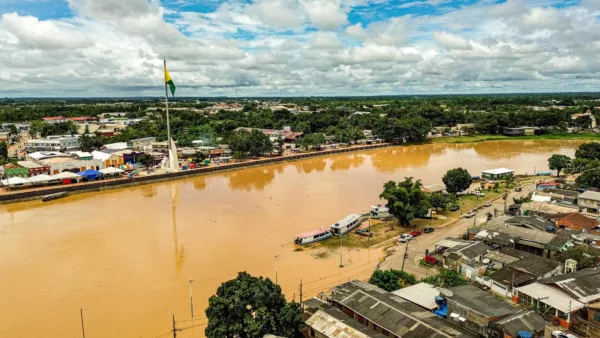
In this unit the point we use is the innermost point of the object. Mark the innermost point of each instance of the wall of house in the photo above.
(592, 206)
(474, 321)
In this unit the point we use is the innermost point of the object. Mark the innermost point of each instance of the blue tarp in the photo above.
(90, 174)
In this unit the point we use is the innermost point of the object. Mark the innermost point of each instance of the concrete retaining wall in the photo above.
(119, 183)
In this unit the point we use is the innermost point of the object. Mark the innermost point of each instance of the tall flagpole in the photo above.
(168, 125)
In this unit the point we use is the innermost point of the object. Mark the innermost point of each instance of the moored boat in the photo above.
(380, 212)
(56, 196)
(346, 224)
(313, 236)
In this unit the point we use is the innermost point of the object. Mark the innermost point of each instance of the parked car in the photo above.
(519, 189)
(416, 233)
(364, 232)
(454, 207)
(560, 334)
(428, 230)
(405, 238)
(470, 214)
(487, 204)
(479, 193)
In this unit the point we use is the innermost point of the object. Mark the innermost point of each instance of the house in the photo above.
(548, 300)
(286, 133)
(329, 322)
(510, 326)
(421, 294)
(547, 185)
(389, 314)
(530, 222)
(583, 285)
(54, 119)
(474, 309)
(544, 209)
(584, 238)
(81, 118)
(434, 188)
(60, 164)
(34, 168)
(160, 147)
(116, 146)
(576, 221)
(526, 269)
(520, 131)
(53, 143)
(589, 114)
(563, 195)
(496, 174)
(589, 201)
(453, 257)
(141, 143)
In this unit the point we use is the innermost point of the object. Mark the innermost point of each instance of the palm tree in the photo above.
(85, 141)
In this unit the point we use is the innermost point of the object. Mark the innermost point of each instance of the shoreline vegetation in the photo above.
(34, 194)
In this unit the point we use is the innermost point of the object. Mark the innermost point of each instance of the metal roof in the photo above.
(479, 301)
(523, 321)
(530, 263)
(583, 285)
(590, 195)
(523, 233)
(422, 294)
(498, 171)
(551, 297)
(335, 324)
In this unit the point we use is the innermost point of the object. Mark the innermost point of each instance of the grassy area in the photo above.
(381, 232)
(482, 138)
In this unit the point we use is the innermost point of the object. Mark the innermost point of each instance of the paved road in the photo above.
(416, 248)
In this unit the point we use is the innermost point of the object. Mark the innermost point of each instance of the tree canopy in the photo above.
(3, 151)
(559, 162)
(253, 143)
(590, 151)
(457, 180)
(251, 307)
(405, 200)
(446, 279)
(589, 179)
(392, 280)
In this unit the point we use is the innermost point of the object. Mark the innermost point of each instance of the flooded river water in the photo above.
(125, 256)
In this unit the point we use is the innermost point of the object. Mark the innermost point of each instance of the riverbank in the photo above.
(32, 194)
(483, 138)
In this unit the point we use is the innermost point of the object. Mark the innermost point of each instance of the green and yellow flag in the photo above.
(169, 81)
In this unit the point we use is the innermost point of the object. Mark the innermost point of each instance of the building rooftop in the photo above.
(471, 250)
(331, 322)
(590, 195)
(510, 276)
(29, 164)
(523, 233)
(394, 314)
(583, 285)
(480, 301)
(522, 321)
(549, 208)
(530, 263)
(579, 220)
(552, 297)
(434, 188)
(531, 222)
(422, 294)
(498, 171)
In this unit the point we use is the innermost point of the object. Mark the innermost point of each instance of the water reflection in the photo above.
(148, 191)
(200, 183)
(391, 159)
(511, 149)
(179, 249)
(254, 178)
(308, 166)
(345, 162)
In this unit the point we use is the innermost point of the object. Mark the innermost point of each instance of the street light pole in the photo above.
(341, 248)
(276, 272)
(405, 254)
(191, 299)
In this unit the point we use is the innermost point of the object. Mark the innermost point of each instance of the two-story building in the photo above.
(53, 143)
(141, 144)
(589, 201)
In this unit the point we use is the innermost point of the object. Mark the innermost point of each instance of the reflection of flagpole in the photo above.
(167, 108)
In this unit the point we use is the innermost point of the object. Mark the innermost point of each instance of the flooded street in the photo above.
(125, 256)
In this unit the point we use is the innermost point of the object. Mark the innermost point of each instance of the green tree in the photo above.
(590, 151)
(559, 162)
(251, 307)
(496, 186)
(457, 180)
(438, 201)
(578, 164)
(446, 279)
(146, 160)
(199, 157)
(392, 280)
(3, 151)
(85, 141)
(584, 255)
(405, 200)
(589, 179)
(312, 141)
(35, 128)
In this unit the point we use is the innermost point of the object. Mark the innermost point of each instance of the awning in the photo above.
(111, 171)
(42, 178)
(67, 174)
(15, 181)
(90, 174)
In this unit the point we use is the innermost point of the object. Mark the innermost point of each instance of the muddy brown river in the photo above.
(126, 256)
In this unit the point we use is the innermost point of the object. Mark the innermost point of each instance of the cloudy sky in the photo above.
(298, 47)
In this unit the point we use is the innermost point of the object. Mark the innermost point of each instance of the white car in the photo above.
(560, 334)
(479, 194)
(405, 238)
(487, 204)
(469, 214)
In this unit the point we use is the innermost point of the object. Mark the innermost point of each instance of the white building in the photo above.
(53, 143)
(495, 174)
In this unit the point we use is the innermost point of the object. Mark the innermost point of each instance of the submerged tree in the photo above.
(251, 307)
(457, 180)
(405, 200)
(559, 162)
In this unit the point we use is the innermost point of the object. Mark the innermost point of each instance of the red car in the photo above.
(416, 233)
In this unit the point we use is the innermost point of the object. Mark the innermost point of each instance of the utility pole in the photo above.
(82, 328)
(276, 272)
(174, 328)
(300, 293)
(341, 247)
(405, 254)
(191, 299)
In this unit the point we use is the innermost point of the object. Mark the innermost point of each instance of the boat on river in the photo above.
(56, 196)
(380, 212)
(346, 224)
(313, 236)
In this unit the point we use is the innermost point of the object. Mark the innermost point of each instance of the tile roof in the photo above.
(580, 220)
(480, 301)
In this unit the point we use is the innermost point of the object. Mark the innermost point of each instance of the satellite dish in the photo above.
(512, 241)
(485, 261)
(446, 292)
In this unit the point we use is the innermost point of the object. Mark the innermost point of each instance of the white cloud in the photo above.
(451, 41)
(325, 14)
(326, 41)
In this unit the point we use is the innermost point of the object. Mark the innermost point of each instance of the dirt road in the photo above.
(416, 247)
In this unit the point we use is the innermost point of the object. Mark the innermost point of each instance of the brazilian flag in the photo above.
(169, 81)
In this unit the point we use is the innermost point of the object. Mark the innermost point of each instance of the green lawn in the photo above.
(482, 138)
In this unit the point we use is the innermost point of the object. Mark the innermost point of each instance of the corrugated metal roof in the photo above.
(523, 321)
(583, 285)
(422, 294)
(552, 297)
(330, 325)
(523, 233)
(480, 301)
